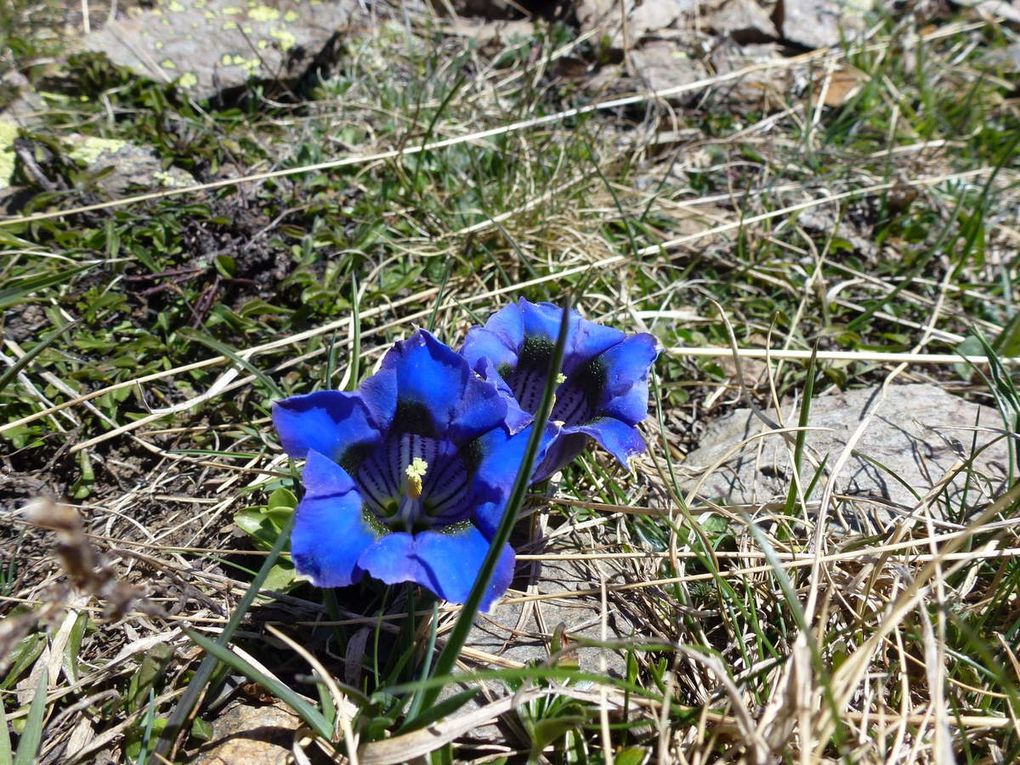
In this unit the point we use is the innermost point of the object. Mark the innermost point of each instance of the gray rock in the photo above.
(523, 633)
(254, 735)
(24, 106)
(1003, 9)
(120, 166)
(662, 65)
(821, 23)
(21, 110)
(762, 90)
(647, 18)
(919, 434)
(743, 20)
(1007, 58)
(207, 46)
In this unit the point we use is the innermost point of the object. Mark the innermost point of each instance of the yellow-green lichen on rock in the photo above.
(218, 45)
(8, 132)
(263, 13)
(88, 149)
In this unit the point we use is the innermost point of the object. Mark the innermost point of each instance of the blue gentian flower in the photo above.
(407, 478)
(603, 392)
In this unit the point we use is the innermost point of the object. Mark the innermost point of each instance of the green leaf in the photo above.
(201, 730)
(633, 755)
(545, 732)
(153, 665)
(31, 736)
(282, 499)
(82, 487)
(140, 736)
(38, 348)
(19, 289)
(1007, 343)
(438, 711)
(302, 708)
(24, 656)
(5, 737)
(73, 647)
(280, 578)
(226, 266)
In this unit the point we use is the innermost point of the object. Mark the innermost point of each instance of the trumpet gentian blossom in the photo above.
(603, 391)
(407, 478)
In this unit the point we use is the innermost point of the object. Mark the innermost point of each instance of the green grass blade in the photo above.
(19, 289)
(355, 358)
(182, 712)
(231, 354)
(302, 708)
(805, 412)
(468, 245)
(31, 737)
(5, 738)
(448, 657)
(12, 371)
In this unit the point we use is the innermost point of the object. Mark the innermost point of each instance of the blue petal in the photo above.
(329, 422)
(482, 344)
(330, 533)
(590, 340)
(543, 320)
(423, 371)
(616, 437)
(447, 563)
(502, 455)
(501, 458)
(628, 362)
(563, 450)
(507, 324)
(631, 406)
(516, 418)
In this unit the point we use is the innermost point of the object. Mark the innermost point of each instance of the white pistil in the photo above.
(415, 472)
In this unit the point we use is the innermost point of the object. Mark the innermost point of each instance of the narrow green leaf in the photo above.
(24, 656)
(73, 647)
(355, 359)
(545, 732)
(209, 664)
(225, 350)
(31, 736)
(302, 708)
(5, 738)
(20, 289)
(12, 371)
(451, 651)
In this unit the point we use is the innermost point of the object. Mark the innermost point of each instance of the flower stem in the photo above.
(448, 658)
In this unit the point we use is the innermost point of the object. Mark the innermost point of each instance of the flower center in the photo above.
(577, 395)
(415, 473)
(413, 482)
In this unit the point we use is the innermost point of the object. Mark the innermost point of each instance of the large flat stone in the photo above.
(208, 46)
(518, 633)
(821, 23)
(662, 66)
(918, 435)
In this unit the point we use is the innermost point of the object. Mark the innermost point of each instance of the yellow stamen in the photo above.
(415, 473)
